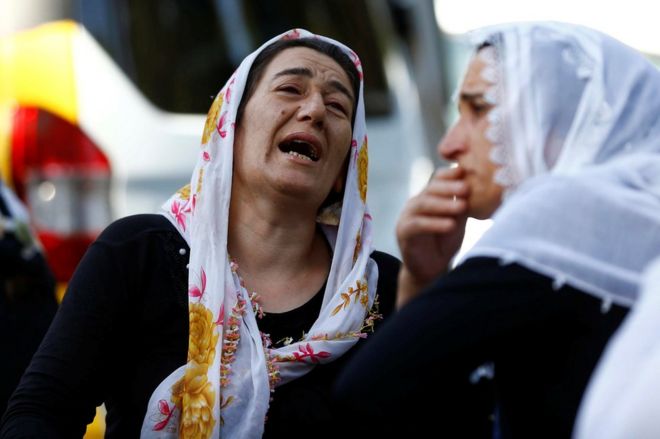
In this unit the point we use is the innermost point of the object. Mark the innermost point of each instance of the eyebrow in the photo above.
(304, 71)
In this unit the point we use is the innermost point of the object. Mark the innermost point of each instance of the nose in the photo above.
(312, 108)
(454, 143)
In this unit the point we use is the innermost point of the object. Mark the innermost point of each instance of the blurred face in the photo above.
(296, 128)
(467, 145)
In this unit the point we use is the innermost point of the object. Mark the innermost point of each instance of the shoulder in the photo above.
(388, 272)
(135, 227)
(388, 265)
(484, 272)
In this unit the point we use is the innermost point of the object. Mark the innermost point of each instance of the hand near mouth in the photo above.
(430, 231)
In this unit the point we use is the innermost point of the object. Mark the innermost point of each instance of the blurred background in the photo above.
(102, 102)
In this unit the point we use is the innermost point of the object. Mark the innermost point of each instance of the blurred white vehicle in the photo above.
(101, 114)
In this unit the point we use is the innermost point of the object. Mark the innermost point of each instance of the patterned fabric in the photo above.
(225, 387)
(576, 132)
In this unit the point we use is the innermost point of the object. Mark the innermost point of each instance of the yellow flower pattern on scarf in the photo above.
(211, 119)
(184, 192)
(362, 164)
(358, 247)
(360, 294)
(200, 179)
(193, 394)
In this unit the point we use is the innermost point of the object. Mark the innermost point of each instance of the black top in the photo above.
(122, 329)
(543, 343)
(27, 302)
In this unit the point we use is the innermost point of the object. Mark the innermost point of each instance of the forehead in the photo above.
(321, 66)
(473, 81)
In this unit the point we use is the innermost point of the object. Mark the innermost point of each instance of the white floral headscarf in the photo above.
(576, 132)
(225, 387)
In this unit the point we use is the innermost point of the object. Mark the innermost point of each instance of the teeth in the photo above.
(295, 154)
(309, 147)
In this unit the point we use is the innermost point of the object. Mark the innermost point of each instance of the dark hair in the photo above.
(265, 56)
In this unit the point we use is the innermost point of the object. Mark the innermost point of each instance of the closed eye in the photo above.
(474, 105)
(289, 89)
(339, 107)
(480, 108)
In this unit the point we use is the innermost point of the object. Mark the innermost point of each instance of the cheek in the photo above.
(344, 137)
(239, 141)
(480, 131)
(484, 147)
(494, 189)
(343, 151)
(494, 198)
(261, 113)
(340, 137)
(259, 126)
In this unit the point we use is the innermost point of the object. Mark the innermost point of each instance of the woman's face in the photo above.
(296, 129)
(467, 145)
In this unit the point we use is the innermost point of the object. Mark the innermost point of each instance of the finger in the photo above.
(448, 173)
(427, 204)
(447, 188)
(431, 205)
(426, 224)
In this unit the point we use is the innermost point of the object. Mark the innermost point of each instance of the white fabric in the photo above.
(18, 222)
(224, 389)
(623, 396)
(17, 211)
(576, 132)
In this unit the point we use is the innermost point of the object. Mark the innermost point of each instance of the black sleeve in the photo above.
(27, 307)
(416, 372)
(415, 369)
(69, 374)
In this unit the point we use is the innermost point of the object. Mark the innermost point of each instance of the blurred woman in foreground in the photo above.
(558, 139)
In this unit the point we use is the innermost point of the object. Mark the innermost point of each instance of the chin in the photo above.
(481, 211)
(484, 206)
(300, 191)
(480, 215)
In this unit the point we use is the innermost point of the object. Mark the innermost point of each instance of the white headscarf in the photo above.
(225, 387)
(623, 396)
(576, 131)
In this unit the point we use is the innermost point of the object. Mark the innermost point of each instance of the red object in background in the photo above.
(64, 179)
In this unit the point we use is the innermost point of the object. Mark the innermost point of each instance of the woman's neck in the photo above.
(279, 250)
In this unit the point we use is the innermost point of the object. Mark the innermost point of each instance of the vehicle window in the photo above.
(180, 52)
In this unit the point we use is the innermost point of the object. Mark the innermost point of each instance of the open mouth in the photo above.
(301, 149)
